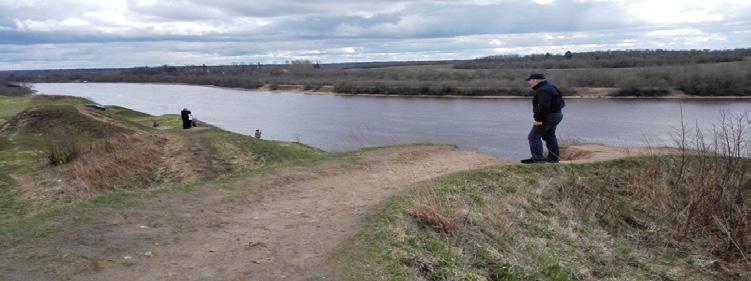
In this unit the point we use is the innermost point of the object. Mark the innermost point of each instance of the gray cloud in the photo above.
(132, 32)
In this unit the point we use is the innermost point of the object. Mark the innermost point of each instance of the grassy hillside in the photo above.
(650, 218)
(54, 151)
(680, 217)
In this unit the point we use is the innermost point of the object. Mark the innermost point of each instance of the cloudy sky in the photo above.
(38, 34)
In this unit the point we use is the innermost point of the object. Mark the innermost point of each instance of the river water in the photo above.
(338, 123)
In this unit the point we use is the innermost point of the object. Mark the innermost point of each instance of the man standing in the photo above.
(185, 115)
(546, 105)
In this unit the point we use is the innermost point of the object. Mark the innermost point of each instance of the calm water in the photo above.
(337, 123)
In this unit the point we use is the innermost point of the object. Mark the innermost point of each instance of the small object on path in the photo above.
(263, 260)
(254, 244)
(96, 106)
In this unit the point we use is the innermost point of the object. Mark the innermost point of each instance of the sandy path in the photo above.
(285, 224)
(280, 226)
(591, 153)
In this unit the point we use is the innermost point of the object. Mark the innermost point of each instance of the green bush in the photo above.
(61, 152)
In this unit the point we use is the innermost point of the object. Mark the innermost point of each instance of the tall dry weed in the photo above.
(430, 209)
(122, 161)
(698, 199)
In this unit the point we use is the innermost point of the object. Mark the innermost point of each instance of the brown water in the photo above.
(337, 123)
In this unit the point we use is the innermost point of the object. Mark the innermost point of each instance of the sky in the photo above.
(39, 34)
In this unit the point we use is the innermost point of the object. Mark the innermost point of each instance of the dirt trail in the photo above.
(279, 226)
(198, 163)
(283, 225)
(590, 153)
(202, 157)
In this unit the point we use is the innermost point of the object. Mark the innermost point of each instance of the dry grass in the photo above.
(572, 153)
(122, 161)
(432, 218)
(698, 200)
(62, 150)
(83, 155)
(431, 210)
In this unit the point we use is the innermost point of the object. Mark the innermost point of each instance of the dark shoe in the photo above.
(532, 161)
(552, 160)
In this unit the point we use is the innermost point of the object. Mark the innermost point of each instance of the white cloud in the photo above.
(152, 32)
(684, 11)
(675, 32)
(543, 2)
(74, 22)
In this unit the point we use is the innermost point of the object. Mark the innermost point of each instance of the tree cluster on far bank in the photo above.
(709, 73)
(607, 59)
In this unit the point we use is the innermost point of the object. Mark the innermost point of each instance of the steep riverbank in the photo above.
(234, 208)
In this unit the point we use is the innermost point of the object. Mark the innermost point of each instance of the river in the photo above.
(338, 123)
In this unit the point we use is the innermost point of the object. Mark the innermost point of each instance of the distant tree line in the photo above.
(607, 59)
(703, 79)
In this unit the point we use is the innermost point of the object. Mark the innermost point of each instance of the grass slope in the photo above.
(33, 128)
(553, 222)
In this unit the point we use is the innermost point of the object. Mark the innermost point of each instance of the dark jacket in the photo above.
(185, 114)
(547, 100)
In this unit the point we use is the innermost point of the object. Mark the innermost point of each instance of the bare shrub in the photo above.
(698, 199)
(711, 186)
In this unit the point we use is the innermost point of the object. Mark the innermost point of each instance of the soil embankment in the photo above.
(282, 225)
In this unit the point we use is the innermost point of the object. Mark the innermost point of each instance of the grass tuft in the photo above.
(427, 215)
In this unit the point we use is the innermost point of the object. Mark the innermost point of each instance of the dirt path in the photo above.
(200, 161)
(590, 153)
(283, 225)
(202, 156)
(279, 226)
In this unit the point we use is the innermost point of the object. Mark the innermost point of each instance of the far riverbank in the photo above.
(581, 93)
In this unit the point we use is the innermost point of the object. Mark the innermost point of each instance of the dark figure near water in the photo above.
(546, 105)
(185, 115)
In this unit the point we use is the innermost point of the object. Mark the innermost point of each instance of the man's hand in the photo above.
(536, 123)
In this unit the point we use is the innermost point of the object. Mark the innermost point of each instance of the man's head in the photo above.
(535, 79)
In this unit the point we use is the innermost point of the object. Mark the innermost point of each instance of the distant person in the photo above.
(193, 121)
(185, 115)
(546, 106)
(258, 134)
